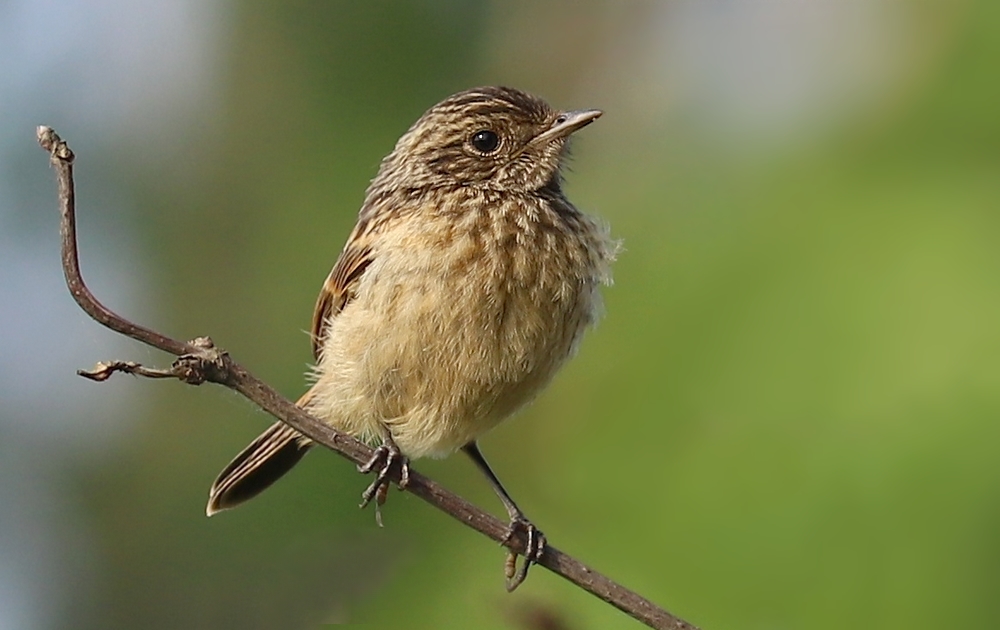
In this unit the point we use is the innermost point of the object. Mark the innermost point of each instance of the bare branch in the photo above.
(199, 361)
(103, 371)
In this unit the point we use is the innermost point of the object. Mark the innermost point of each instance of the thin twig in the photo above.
(199, 361)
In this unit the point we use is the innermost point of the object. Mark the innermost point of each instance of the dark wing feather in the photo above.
(338, 290)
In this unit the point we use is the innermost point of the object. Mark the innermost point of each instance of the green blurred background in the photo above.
(788, 418)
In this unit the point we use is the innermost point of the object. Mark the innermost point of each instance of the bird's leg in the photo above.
(383, 460)
(519, 526)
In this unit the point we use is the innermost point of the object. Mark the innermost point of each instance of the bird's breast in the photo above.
(464, 316)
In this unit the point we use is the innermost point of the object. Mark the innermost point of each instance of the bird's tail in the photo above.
(260, 464)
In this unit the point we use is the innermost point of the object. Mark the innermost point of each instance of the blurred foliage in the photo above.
(788, 418)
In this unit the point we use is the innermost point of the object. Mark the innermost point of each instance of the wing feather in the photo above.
(338, 290)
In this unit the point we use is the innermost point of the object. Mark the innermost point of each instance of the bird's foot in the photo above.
(534, 549)
(384, 461)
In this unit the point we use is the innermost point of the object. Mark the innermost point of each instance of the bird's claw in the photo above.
(534, 549)
(384, 460)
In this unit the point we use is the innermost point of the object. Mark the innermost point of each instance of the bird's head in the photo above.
(495, 138)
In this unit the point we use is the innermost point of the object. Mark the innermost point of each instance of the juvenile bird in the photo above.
(466, 283)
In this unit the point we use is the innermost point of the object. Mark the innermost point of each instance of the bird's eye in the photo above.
(485, 141)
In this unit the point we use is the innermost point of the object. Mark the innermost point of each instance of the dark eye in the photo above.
(485, 141)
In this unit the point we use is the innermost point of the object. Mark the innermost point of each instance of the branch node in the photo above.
(51, 142)
(205, 363)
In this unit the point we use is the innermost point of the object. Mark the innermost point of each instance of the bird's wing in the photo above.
(339, 289)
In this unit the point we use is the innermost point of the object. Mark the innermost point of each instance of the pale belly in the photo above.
(439, 354)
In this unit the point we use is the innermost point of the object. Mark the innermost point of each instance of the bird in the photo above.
(467, 282)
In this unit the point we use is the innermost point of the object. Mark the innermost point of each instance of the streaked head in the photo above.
(496, 138)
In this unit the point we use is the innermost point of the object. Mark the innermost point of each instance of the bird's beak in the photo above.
(568, 122)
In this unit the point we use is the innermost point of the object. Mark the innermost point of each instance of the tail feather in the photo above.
(259, 465)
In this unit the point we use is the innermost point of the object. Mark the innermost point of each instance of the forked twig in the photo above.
(199, 361)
